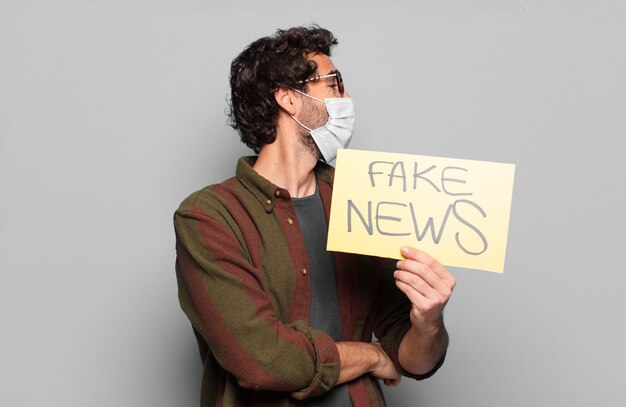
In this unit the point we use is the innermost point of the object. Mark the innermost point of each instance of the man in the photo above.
(279, 320)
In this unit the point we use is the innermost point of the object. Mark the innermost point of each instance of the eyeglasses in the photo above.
(335, 74)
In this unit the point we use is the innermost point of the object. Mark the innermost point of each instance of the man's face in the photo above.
(313, 112)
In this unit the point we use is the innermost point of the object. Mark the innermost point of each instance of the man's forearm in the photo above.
(420, 350)
(357, 359)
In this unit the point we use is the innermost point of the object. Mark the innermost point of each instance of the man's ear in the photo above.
(286, 99)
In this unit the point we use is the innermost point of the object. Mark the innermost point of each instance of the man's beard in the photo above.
(307, 142)
(313, 117)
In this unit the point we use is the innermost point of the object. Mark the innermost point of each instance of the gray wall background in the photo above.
(111, 112)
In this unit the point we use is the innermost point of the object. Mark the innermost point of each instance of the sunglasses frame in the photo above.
(336, 74)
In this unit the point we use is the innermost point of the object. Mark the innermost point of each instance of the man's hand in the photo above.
(359, 358)
(427, 284)
(385, 368)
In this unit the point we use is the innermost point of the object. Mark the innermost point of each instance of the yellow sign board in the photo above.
(456, 210)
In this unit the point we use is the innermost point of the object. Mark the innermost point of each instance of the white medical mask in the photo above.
(337, 131)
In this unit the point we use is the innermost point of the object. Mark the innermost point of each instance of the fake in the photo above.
(397, 172)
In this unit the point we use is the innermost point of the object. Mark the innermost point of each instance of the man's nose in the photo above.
(345, 94)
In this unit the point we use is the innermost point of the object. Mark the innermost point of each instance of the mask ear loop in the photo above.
(298, 121)
(309, 96)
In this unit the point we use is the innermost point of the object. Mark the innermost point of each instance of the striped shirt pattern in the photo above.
(244, 284)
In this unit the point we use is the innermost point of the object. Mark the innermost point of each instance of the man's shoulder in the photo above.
(210, 197)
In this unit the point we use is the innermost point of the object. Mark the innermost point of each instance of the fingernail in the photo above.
(404, 250)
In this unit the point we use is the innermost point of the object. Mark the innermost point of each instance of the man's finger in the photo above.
(425, 258)
(418, 299)
(425, 273)
(391, 382)
(417, 283)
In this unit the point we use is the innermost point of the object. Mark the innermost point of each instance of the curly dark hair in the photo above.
(264, 66)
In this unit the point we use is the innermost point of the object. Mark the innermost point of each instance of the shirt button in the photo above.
(277, 193)
(269, 201)
(304, 272)
(290, 221)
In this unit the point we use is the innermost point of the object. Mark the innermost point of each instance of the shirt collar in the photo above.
(266, 192)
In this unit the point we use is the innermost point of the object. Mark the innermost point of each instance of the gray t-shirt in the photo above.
(324, 311)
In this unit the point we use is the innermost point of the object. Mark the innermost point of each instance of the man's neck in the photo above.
(288, 167)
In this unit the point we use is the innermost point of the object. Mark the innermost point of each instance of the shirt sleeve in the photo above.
(221, 293)
(392, 320)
